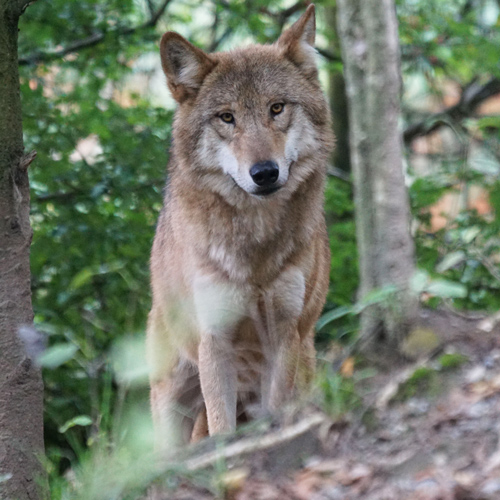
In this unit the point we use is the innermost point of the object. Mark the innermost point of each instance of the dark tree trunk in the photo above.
(337, 97)
(370, 50)
(21, 390)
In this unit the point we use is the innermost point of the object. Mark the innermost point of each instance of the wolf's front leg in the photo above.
(175, 386)
(175, 403)
(218, 379)
(283, 370)
(280, 338)
(219, 309)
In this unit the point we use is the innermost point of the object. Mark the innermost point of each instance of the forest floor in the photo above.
(425, 430)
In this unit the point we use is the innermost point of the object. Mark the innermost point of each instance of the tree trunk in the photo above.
(370, 51)
(21, 390)
(337, 97)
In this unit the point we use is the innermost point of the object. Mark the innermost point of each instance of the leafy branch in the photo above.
(472, 96)
(74, 194)
(95, 38)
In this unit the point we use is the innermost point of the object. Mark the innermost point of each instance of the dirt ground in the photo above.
(426, 430)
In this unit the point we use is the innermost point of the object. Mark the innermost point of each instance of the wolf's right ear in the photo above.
(184, 65)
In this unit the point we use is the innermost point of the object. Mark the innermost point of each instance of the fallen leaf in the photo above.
(347, 368)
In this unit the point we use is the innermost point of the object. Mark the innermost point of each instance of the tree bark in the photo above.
(21, 390)
(370, 50)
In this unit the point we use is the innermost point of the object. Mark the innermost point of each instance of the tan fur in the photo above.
(239, 279)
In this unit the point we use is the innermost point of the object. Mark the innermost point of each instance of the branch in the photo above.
(155, 18)
(71, 195)
(282, 16)
(151, 7)
(23, 5)
(59, 196)
(472, 96)
(285, 14)
(92, 40)
(26, 160)
(40, 57)
(339, 173)
(256, 444)
(216, 42)
(328, 55)
(213, 29)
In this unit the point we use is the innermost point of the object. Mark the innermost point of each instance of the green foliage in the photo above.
(466, 253)
(447, 42)
(428, 380)
(457, 38)
(81, 420)
(339, 209)
(57, 354)
(451, 361)
(94, 211)
(344, 279)
(423, 381)
(337, 394)
(382, 297)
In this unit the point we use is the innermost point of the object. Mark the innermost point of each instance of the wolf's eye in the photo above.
(227, 117)
(277, 108)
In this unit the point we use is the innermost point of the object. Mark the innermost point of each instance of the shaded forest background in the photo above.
(97, 112)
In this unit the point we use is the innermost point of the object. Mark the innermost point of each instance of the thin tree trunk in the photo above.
(337, 97)
(21, 390)
(370, 50)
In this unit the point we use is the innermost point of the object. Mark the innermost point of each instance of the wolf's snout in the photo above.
(265, 173)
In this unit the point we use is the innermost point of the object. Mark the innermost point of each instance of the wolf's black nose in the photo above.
(265, 173)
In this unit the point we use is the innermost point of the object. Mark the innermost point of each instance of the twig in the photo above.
(151, 7)
(26, 160)
(339, 174)
(282, 16)
(24, 4)
(216, 42)
(154, 19)
(253, 444)
(328, 55)
(213, 29)
(64, 196)
(487, 263)
(389, 391)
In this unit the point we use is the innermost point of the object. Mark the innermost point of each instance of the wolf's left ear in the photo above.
(184, 65)
(298, 42)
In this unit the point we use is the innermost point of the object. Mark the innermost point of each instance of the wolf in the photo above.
(240, 259)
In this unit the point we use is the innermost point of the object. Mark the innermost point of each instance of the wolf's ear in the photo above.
(298, 42)
(184, 65)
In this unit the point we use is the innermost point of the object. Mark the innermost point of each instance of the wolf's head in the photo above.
(250, 121)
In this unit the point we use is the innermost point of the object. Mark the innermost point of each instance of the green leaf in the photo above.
(378, 295)
(57, 355)
(446, 289)
(419, 281)
(450, 260)
(470, 233)
(81, 420)
(330, 316)
(83, 277)
(129, 361)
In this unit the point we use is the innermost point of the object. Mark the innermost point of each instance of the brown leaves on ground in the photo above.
(441, 445)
